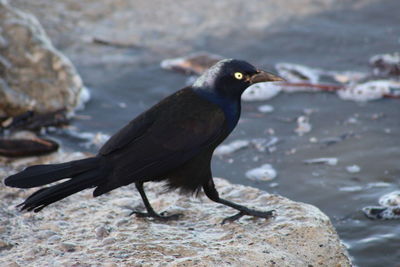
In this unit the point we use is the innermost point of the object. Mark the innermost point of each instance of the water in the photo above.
(340, 39)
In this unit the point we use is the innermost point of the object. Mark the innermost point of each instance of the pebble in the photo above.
(353, 188)
(122, 222)
(122, 202)
(231, 147)
(273, 185)
(4, 244)
(329, 161)
(101, 232)
(262, 144)
(303, 125)
(54, 238)
(261, 91)
(13, 264)
(68, 247)
(263, 173)
(109, 240)
(45, 234)
(265, 108)
(2, 229)
(353, 169)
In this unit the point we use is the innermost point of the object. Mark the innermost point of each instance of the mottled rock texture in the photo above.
(33, 74)
(82, 231)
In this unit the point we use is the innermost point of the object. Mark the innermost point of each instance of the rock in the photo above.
(299, 234)
(35, 75)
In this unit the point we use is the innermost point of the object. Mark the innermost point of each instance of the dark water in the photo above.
(341, 39)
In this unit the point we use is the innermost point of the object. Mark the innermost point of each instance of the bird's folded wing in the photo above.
(182, 122)
(162, 139)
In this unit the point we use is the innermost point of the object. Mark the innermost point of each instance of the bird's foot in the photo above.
(156, 216)
(249, 212)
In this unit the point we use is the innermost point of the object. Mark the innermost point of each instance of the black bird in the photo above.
(173, 141)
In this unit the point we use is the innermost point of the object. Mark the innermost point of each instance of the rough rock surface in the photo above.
(81, 231)
(33, 74)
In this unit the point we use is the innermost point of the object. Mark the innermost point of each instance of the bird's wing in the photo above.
(181, 126)
(181, 121)
(130, 132)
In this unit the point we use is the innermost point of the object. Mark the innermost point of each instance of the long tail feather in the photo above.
(39, 175)
(45, 196)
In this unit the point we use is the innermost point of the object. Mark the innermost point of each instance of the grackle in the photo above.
(173, 141)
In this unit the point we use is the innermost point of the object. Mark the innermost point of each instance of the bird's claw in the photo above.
(159, 217)
(249, 212)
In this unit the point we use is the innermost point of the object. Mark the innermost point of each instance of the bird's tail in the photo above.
(83, 174)
(45, 174)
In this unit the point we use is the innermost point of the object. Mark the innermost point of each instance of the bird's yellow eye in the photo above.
(238, 75)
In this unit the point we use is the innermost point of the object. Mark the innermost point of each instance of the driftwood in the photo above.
(114, 43)
(34, 121)
(26, 147)
(195, 63)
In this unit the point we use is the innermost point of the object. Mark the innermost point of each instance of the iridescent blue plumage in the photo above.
(231, 108)
(219, 86)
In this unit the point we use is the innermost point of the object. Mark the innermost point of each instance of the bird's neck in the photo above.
(230, 106)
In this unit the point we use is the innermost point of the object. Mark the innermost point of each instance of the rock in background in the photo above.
(33, 74)
(82, 231)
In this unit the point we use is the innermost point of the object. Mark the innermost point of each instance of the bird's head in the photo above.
(229, 78)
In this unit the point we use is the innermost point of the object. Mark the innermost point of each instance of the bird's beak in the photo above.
(263, 76)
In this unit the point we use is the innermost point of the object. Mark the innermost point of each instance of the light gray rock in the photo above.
(34, 75)
(299, 235)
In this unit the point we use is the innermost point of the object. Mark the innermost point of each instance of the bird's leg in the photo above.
(150, 212)
(212, 193)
